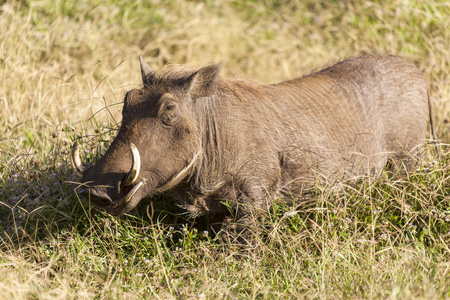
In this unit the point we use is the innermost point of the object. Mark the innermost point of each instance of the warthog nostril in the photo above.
(97, 199)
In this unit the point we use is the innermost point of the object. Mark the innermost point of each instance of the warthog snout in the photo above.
(100, 199)
(126, 188)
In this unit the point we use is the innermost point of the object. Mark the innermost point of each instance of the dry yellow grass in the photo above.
(60, 69)
(63, 62)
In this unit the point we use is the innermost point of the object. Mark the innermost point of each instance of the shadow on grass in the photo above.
(39, 207)
(42, 207)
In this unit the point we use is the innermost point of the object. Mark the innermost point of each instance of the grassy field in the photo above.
(65, 66)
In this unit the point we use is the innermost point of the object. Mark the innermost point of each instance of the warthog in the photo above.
(209, 139)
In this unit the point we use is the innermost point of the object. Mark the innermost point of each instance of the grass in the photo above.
(65, 66)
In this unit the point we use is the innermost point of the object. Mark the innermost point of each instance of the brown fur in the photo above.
(251, 141)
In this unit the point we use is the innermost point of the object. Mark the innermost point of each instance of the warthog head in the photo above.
(158, 143)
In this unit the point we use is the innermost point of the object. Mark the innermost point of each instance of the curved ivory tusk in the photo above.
(131, 177)
(133, 191)
(75, 160)
(128, 196)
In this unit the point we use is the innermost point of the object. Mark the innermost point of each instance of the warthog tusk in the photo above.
(178, 177)
(131, 177)
(75, 160)
(132, 192)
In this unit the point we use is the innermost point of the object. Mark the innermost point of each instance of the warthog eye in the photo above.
(170, 115)
(170, 106)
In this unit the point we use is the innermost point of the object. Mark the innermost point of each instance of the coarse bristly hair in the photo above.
(249, 141)
(218, 119)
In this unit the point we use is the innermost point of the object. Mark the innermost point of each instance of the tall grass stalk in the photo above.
(64, 69)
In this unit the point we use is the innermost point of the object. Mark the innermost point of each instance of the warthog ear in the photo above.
(146, 72)
(203, 83)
